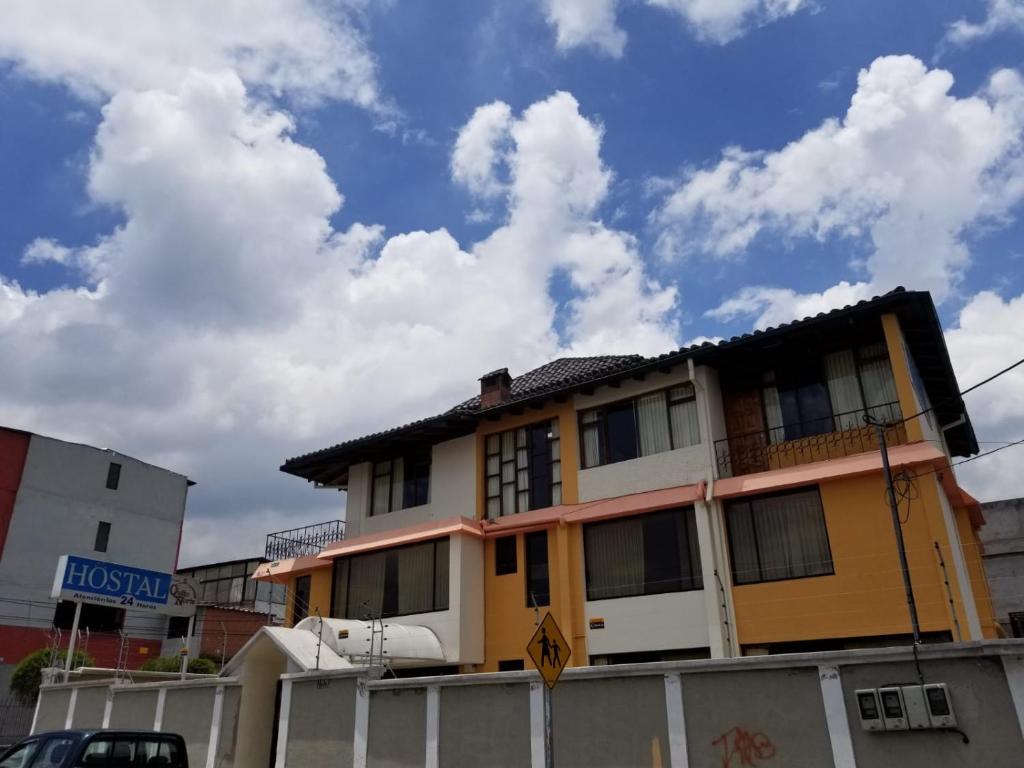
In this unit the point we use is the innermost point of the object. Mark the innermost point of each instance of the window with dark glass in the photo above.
(300, 605)
(505, 556)
(400, 483)
(113, 476)
(102, 536)
(392, 582)
(812, 397)
(643, 555)
(523, 469)
(641, 426)
(177, 626)
(782, 536)
(538, 589)
(96, 618)
(510, 665)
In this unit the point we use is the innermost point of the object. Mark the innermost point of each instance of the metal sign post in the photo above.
(69, 660)
(185, 649)
(545, 649)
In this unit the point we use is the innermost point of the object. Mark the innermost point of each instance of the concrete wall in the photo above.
(90, 707)
(792, 711)
(452, 491)
(134, 710)
(52, 709)
(321, 722)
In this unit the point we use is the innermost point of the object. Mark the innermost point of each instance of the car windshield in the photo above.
(54, 752)
(21, 756)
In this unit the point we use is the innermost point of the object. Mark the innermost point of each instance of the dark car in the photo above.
(69, 749)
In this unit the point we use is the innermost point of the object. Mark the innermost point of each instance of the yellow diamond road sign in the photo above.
(549, 650)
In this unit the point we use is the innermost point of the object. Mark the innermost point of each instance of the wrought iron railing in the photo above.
(843, 434)
(305, 541)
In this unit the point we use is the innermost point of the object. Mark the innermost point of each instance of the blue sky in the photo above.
(92, 144)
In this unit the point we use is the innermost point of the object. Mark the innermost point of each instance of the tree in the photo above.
(27, 676)
(198, 666)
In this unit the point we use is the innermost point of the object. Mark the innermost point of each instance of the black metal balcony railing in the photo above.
(843, 434)
(305, 541)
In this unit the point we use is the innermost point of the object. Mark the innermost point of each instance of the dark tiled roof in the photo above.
(569, 373)
(557, 374)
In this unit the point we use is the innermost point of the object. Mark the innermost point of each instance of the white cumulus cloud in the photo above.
(308, 49)
(594, 23)
(1001, 16)
(910, 169)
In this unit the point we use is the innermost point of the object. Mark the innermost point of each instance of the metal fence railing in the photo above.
(305, 541)
(843, 434)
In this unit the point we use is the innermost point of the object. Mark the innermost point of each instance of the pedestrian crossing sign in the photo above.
(549, 650)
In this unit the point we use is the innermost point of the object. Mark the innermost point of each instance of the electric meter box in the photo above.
(916, 708)
(870, 710)
(940, 705)
(894, 712)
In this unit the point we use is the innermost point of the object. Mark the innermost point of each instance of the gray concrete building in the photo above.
(1003, 539)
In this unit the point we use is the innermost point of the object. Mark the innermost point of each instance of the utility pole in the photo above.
(897, 528)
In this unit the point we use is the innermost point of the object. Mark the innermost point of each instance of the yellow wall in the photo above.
(865, 596)
(508, 622)
(901, 374)
(319, 594)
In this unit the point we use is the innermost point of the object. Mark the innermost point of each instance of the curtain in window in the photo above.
(591, 439)
(441, 575)
(844, 390)
(879, 385)
(397, 483)
(381, 486)
(773, 415)
(743, 543)
(416, 578)
(685, 426)
(615, 559)
(652, 423)
(791, 536)
(366, 585)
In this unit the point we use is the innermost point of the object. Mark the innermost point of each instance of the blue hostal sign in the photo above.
(123, 586)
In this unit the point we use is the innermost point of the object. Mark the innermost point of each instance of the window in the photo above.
(652, 423)
(1016, 624)
(538, 590)
(778, 537)
(523, 469)
(113, 476)
(54, 752)
(300, 608)
(95, 618)
(505, 556)
(102, 537)
(111, 752)
(510, 665)
(807, 399)
(154, 751)
(20, 757)
(392, 582)
(400, 483)
(643, 555)
(177, 626)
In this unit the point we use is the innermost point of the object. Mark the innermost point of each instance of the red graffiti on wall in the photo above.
(741, 747)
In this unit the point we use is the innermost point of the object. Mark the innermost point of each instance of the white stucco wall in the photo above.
(452, 491)
(648, 623)
(62, 498)
(683, 466)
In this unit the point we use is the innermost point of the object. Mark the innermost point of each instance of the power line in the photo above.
(948, 400)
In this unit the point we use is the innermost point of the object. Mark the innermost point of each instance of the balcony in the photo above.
(303, 542)
(843, 434)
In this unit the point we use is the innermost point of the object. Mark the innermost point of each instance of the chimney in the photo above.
(495, 388)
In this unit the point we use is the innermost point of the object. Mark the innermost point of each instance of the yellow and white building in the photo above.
(715, 501)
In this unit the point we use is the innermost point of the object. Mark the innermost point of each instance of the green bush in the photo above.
(198, 666)
(27, 675)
